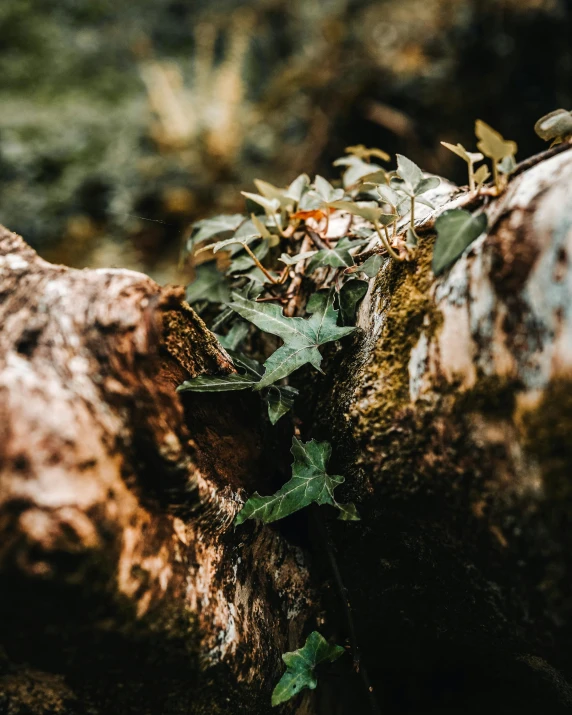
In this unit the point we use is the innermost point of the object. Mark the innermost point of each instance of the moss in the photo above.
(548, 429)
(408, 310)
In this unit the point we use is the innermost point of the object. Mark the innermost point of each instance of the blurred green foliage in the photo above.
(165, 109)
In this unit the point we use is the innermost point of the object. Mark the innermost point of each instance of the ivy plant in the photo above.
(301, 665)
(310, 483)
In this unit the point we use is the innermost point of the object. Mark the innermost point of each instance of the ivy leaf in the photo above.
(301, 337)
(309, 483)
(409, 173)
(298, 187)
(209, 285)
(293, 260)
(388, 195)
(235, 336)
(456, 229)
(555, 125)
(219, 245)
(492, 144)
(280, 399)
(357, 170)
(326, 191)
(300, 667)
(370, 211)
(351, 294)
(244, 262)
(271, 206)
(218, 383)
(372, 265)
(507, 165)
(468, 156)
(362, 152)
(337, 256)
(209, 227)
(481, 175)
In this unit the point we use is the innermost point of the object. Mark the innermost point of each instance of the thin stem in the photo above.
(413, 214)
(259, 265)
(471, 177)
(275, 216)
(386, 243)
(496, 175)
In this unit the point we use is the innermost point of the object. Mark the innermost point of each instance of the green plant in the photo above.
(294, 267)
(555, 126)
(301, 665)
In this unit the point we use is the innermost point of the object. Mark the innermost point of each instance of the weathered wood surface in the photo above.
(455, 411)
(120, 570)
(125, 588)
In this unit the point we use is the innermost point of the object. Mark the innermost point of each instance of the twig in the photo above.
(538, 158)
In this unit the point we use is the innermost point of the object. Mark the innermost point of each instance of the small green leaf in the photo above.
(209, 227)
(507, 165)
(215, 247)
(298, 187)
(468, 156)
(388, 195)
(411, 238)
(409, 173)
(362, 152)
(481, 175)
(280, 399)
(220, 383)
(358, 170)
(301, 337)
(492, 144)
(456, 229)
(337, 256)
(351, 294)
(209, 284)
(326, 191)
(372, 265)
(309, 483)
(370, 211)
(235, 336)
(428, 184)
(293, 260)
(271, 206)
(555, 125)
(300, 667)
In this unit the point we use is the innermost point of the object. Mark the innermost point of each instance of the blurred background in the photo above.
(121, 123)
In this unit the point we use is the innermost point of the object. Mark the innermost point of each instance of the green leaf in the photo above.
(481, 175)
(301, 337)
(388, 195)
(209, 285)
(372, 265)
(300, 667)
(215, 247)
(244, 262)
(298, 187)
(271, 206)
(555, 125)
(337, 256)
(492, 144)
(293, 260)
(309, 483)
(370, 211)
(431, 182)
(351, 294)
(280, 399)
(209, 227)
(326, 191)
(358, 170)
(456, 229)
(235, 336)
(362, 152)
(220, 383)
(409, 173)
(507, 165)
(468, 156)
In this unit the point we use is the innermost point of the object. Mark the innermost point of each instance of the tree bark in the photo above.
(125, 588)
(123, 585)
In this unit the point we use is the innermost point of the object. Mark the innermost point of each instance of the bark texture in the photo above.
(454, 412)
(123, 587)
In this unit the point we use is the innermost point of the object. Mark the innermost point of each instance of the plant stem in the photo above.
(496, 175)
(386, 243)
(471, 177)
(259, 265)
